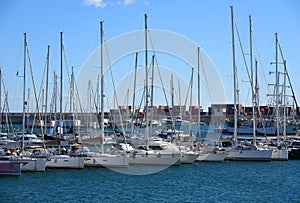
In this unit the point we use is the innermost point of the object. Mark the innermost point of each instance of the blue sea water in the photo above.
(200, 182)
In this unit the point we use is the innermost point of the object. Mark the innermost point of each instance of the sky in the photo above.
(205, 22)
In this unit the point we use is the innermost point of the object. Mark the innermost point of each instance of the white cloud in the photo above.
(104, 3)
(128, 2)
(96, 3)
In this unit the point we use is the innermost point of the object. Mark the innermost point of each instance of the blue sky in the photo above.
(206, 22)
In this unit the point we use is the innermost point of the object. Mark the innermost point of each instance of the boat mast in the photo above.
(256, 89)
(234, 79)
(199, 110)
(277, 88)
(24, 88)
(134, 89)
(46, 97)
(71, 89)
(102, 87)
(146, 85)
(252, 84)
(191, 100)
(284, 100)
(61, 86)
(151, 95)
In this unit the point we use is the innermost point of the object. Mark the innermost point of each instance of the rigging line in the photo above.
(205, 77)
(161, 80)
(187, 93)
(156, 62)
(260, 61)
(244, 58)
(70, 80)
(8, 120)
(67, 101)
(114, 86)
(288, 76)
(78, 96)
(34, 89)
(66, 64)
(6, 106)
(95, 95)
(164, 91)
(53, 96)
(43, 77)
(68, 74)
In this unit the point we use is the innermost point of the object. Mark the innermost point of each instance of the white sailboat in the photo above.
(96, 159)
(205, 153)
(31, 164)
(60, 160)
(243, 153)
(164, 157)
(280, 152)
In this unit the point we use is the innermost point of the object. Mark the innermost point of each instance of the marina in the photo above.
(140, 101)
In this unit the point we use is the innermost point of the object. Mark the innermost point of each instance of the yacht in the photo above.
(65, 161)
(96, 159)
(210, 153)
(157, 155)
(244, 152)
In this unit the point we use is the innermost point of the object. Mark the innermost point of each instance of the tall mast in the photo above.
(46, 97)
(72, 91)
(256, 87)
(146, 85)
(102, 87)
(284, 100)
(55, 94)
(24, 89)
(277, 88)
(191, 100)
(61, 84)
(252, 84)
(151, 95)
(134, 89)
(199, 110)
(152, 83)
(234, 79)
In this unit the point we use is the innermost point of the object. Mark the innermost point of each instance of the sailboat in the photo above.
(96, 159)
(60, 160)
(31, 164)
(207, 153)
(280, 152)
(156, 152)
(241, 152)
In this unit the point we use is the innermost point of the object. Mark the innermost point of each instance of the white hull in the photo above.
(188, 157)
(106, 160)
(162, 158)
(211, 156)
(63, 161)
(249, 154)
(33, 164)
(280, 155)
